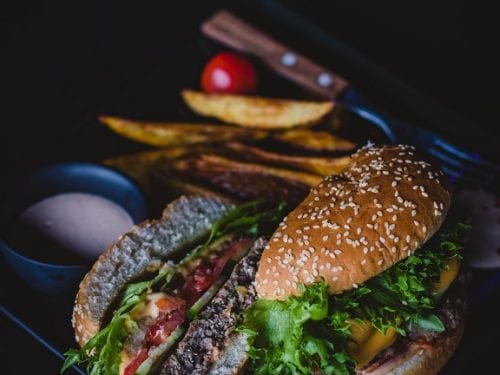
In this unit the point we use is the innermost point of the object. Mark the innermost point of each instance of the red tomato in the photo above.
(229, 72)
(162, 329)
(134, 365)
(207, 272)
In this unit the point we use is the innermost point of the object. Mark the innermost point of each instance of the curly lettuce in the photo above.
(307, 334)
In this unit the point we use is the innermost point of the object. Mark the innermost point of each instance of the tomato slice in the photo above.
(206, 273)
(228, 72)
(173, 310)
(163, 327)
(136, 362)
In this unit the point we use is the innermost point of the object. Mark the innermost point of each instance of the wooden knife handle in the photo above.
(228, 29)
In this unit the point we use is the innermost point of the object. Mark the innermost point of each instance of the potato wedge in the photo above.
(323, 166)
(175, 134)
(144, 166)
(256, 112)
(224, 164)
(248, 181)
(317, 141)
(153, 172)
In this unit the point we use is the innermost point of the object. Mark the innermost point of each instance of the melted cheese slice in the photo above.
(367, 341)
(447, 276)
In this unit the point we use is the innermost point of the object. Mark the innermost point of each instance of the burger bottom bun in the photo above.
(420, 359)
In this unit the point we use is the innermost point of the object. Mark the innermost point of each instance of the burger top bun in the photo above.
(353, 226)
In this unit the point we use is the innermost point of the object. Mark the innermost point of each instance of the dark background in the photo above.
(61, 61)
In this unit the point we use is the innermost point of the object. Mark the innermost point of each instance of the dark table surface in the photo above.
(63, 61)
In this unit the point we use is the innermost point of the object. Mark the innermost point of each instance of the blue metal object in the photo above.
(36, 336)
(56, 179)
(469, 169)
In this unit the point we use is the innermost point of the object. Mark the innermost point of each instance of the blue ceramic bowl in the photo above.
(62, 178)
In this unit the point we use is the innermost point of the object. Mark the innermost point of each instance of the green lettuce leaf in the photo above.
(302, 334)
(285, 340)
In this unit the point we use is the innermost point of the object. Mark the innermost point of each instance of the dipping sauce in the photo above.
(69, 227)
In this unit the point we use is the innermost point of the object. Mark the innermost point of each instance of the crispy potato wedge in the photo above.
(175, 134)
(141, 166)
(153, 172)
(219, 163)
(317, 141)
(257, 112)
(323, 166)
(248, 181)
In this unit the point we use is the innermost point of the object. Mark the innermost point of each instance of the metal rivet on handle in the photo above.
(325, 79)
(289, 59)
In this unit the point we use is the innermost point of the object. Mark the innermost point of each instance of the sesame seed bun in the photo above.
(352, 226)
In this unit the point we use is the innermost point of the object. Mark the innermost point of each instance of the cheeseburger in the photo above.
(362, 277)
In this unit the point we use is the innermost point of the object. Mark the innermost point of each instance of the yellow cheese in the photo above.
(367, 342)
(447, 276)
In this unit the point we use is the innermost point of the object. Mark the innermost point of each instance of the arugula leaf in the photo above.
(302, 334)
(249, 218)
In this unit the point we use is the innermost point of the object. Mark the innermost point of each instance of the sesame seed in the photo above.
(380, 262)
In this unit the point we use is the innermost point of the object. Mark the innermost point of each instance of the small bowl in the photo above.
(56, 179)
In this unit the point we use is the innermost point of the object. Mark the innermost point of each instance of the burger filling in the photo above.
(339, 334)
(161, 313)
(151, 315)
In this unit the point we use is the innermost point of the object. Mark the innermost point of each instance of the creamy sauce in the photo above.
(80, 224)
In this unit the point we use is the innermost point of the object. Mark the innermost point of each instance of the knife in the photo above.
(228, 29)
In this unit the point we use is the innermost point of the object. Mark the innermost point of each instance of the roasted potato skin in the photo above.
(163, 134)
(257, 112)
(314, 141)
(323, 166)
(245, 181)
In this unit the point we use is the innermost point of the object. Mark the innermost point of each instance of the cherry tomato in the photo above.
(229, 72)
